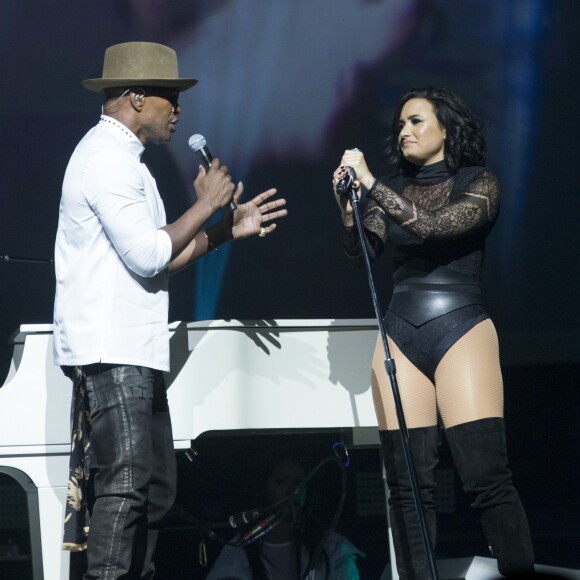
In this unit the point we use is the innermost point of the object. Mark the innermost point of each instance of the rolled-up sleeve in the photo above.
(117, 196)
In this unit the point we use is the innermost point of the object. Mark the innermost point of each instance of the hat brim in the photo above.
(98, 85)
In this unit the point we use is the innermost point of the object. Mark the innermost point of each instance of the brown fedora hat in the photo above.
(145, 64)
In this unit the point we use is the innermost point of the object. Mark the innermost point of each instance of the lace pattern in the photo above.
(428, 212)
(376, 228)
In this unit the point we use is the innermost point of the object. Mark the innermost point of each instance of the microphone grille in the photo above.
(196, 142)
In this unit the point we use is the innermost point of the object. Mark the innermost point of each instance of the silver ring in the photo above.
(262, 233)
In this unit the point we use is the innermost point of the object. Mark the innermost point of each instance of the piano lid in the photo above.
(276, 374)
(225, 375)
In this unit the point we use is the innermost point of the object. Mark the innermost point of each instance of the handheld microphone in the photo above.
(198, 145)
(244, 518)
(344, 185)
(262, 528)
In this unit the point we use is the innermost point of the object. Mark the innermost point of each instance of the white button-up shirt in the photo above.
(111, 256)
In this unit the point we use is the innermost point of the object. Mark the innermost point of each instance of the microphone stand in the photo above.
(391, 371)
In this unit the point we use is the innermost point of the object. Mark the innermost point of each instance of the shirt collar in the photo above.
(135, 146)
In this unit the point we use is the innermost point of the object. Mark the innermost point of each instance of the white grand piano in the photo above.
(258, 375)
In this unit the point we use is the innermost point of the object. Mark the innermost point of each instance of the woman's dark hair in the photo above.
(464, 142)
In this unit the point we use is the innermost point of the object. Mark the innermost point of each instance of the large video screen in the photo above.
(284, 88)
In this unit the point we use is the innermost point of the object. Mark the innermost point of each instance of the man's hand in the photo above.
(214, 186)
(250, 217)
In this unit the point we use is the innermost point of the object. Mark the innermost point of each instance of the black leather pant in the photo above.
(134, 469)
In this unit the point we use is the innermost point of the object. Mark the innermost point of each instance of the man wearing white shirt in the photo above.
(113, 255)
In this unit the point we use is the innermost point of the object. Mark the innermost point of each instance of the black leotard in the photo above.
(437, 225)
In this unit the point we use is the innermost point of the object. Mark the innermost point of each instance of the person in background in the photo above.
(114, 253)
(286, 552)
(435, 211)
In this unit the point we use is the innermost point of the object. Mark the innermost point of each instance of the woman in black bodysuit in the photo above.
(435, 212)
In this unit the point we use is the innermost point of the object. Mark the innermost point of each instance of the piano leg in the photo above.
(55, 560)
(42, 480)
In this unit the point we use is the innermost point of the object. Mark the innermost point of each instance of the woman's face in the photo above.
(421, 137)
(283, 481)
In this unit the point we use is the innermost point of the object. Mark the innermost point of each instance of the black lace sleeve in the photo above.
(376, 229)
(474, 208)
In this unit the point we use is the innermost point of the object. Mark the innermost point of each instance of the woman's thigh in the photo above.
(416, 390)
(468, 379)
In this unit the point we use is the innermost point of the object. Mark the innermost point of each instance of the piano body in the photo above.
(225, 375)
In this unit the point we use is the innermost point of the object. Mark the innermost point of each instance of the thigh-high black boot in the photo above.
(412, 561)
(480, 455)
